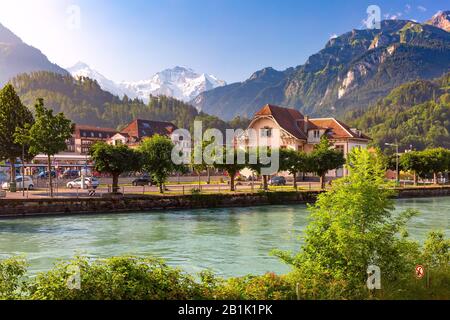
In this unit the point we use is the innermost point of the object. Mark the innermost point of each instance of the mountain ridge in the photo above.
(17, 57)
(352, 71)
(181, 83)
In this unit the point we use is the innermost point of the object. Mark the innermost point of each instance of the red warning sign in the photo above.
(420, 271)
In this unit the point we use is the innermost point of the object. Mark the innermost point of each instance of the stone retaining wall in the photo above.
(130, 203)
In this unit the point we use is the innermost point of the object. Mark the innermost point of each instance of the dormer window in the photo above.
(266, 132)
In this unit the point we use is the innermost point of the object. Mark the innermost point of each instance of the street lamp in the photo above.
(396, 160)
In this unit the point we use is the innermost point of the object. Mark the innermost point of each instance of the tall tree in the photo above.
(157, 159)
(115, 160)
(413, 161)
(260, 152)
(13, 116)
(232, 167)
(353, 225)
(48, 134)
(294, 162)
(324, 159)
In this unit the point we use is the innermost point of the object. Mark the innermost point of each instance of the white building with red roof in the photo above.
(299, 132)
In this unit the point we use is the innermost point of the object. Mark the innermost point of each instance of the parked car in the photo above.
(21, 183)
(44, 174)
(142, 181)
(277, 181)
(71, 174)
(89, 182)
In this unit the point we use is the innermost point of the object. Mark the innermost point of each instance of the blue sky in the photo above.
(131, 40)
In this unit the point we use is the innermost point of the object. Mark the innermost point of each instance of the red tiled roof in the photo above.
(146, 128)
(337, 129)
(293, 122)
(287, 118)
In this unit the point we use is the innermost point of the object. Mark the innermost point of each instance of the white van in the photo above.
(21, 183)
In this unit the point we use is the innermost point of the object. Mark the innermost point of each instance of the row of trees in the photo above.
(24, 135)
(154, 155)
(426, 162)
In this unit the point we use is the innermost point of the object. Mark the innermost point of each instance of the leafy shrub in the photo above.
(11, 273)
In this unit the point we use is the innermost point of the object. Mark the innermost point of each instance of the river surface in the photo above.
(230, 242)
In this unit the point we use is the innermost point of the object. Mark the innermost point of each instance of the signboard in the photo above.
(420, 272)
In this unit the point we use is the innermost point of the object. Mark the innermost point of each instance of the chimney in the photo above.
(305, 124)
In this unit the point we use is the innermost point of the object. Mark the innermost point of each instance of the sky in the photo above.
(131, 40)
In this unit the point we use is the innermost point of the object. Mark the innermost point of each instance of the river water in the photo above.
(230, 242)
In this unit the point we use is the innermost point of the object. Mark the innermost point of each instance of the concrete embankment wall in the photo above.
(35, 207)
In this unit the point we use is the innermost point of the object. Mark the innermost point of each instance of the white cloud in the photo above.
(422, 8)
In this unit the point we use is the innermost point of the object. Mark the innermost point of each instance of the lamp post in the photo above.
(396, 160)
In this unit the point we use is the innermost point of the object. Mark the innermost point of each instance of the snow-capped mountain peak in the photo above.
(179, 82)
(81, 69)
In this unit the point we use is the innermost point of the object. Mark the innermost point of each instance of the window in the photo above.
(100, 135)
(340, 148)
(316, 134)
(92, 134)
(266, 132)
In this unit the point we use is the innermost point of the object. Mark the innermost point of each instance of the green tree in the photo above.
(416, 162)
(200, 166)
(233, 167)
(324, 159)
(47, 135)
(437, 161)
(115, 160)
(157, 159)
(294, 162)
(352, 226)
(13, 116)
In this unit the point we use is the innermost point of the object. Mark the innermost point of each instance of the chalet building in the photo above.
(139, 129)
(299, 132)
(85, 136)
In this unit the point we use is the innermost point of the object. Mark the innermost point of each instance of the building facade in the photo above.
(299, 132)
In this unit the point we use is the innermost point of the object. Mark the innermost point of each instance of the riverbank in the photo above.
(10, 208)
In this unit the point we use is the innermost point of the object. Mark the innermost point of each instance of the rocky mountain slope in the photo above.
(351, 72)
(17, 57)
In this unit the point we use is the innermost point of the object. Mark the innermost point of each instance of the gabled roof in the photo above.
(146, 128)
(336, 128)
(286, 118)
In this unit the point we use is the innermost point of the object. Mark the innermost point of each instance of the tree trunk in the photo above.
(161, 189)
(12, 178)
(265, 187)
(50, 180)
(295, 180)
(322, 182)
(199, 180)
(115, 183)
(209, 176)
(232, 182)
(435, 179)
(415, 178)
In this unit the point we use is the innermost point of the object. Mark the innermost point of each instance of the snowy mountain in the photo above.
(81, 69)
(179, 82)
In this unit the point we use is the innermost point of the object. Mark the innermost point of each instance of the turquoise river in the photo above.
(230, 242)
